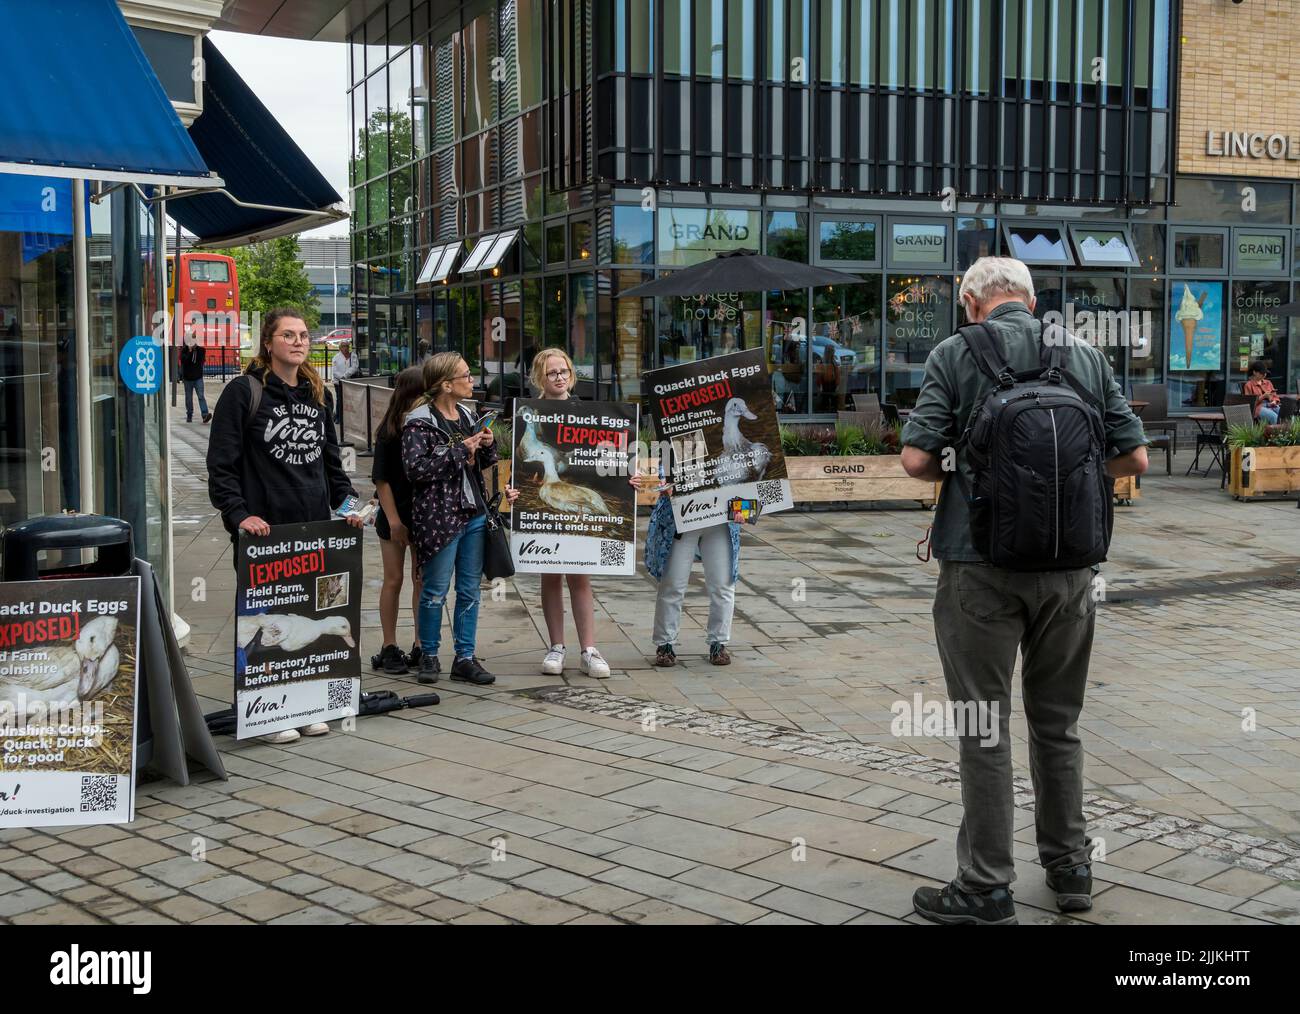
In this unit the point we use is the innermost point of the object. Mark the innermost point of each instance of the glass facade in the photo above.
(39, 406)
(898, 140)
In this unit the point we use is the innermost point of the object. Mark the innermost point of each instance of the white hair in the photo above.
(997, 276)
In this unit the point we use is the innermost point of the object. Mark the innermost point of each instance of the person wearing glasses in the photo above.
(444, 452)
(553, 378)
(262, 472)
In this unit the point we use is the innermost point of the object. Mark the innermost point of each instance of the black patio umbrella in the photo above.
(741, 271)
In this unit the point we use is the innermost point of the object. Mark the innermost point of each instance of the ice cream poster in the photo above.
(576, 511)
(719, 417)
(1196, 336)
(297, 624)
(68, 686)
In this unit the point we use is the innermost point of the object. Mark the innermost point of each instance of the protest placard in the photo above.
(297, 619)
(720, 419)
(576, 512)
(68, 691)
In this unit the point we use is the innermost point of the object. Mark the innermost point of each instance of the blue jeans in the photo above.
(193, 387)
(1268, 414)
(464, 553)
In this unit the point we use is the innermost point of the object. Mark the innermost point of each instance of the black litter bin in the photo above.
(110, 543)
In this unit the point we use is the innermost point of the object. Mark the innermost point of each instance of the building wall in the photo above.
(1237, 73)
(327, 261)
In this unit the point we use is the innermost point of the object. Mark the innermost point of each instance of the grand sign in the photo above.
(1251, 144)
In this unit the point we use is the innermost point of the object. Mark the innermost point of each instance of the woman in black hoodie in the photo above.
(273, 457)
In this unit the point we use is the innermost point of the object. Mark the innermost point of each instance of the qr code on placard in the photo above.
(770, 492)
(340, 694)
(613, 553)
(98, 793)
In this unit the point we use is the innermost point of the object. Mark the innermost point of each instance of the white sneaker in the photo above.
(594, 664)
(553, 663)
(318, 729)
(283, 736)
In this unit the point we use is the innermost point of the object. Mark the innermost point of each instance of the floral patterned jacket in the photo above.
(442, 479)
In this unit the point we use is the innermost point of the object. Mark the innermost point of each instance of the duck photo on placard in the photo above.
(331, 591)
(559, 477)
(90, 679)
(261, 637)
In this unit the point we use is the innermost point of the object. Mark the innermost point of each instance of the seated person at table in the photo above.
(1267, 401)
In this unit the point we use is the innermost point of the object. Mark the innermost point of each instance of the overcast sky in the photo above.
(303, 85)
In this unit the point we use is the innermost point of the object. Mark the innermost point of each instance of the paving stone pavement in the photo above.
(537, 803)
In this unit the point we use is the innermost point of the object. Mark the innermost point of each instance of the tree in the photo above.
(272, 274)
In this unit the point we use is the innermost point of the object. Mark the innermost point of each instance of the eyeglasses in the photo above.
(557, 374)
(296, 337)
(464, 376)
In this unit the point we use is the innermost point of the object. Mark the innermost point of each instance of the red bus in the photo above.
(207, 304)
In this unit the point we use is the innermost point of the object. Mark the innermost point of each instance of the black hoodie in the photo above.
(285, 466)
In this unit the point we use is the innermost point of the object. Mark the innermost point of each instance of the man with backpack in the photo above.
(1029, 428)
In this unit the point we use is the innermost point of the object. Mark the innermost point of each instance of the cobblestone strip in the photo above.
(1277, 859)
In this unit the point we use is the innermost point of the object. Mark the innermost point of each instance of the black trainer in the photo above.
(413, 656)
(1073, 887)
(391, 660)
(469, 670)
(429, 669)
(950, 905)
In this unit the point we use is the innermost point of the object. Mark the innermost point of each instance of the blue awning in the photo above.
(260, 163)
(80, 100)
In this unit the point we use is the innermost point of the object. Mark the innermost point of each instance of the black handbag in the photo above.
(497, 561)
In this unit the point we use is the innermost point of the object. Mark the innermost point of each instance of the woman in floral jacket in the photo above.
(444, 453)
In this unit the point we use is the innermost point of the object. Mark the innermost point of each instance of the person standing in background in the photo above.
(345, 365)
(193, 356)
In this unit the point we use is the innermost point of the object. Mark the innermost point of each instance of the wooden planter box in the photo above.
(1274, 470)
(1127, 489)
(867, 478)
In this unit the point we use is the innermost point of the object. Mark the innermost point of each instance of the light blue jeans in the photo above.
(1268, 414)
(464, 555)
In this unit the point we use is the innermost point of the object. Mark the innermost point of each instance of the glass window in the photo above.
(848, 240)
(1257, 330)
(1146, 354)
(926, 31)
(677, 36)
(1214, 201)
(209, 271)
(787, 349)
(862, 44)
(979, 45)
(1103, 247)
(479, 47)
(1094, 311)
(976, 238)
(580, 240)
(1259, 252)
(787, 235)
(741, 33)
(918, 316)
(846, 339)
(709, 15)
(444, 112)
(1037, 244)
(918, 243)
(634, 237)
(555, 249)
(1199, 250)
(787, 39)
(1149, 242)
(690, 235)
(1196, 328)
(643, 36)
(831, 64)
(893, 31)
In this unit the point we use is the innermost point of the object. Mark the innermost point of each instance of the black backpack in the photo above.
(1037, 446)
